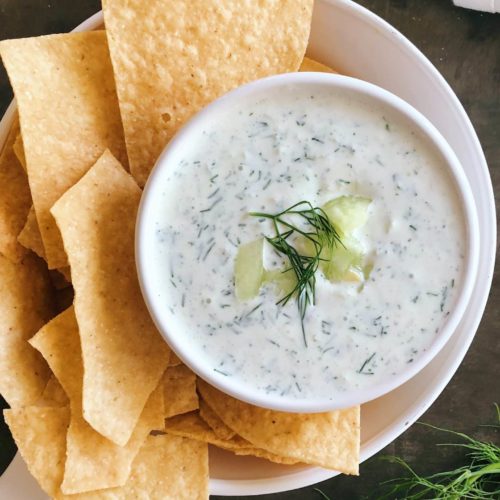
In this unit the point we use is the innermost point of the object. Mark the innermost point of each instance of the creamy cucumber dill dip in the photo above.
(264, 156)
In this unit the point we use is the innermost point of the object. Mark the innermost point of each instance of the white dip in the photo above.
(266, 155)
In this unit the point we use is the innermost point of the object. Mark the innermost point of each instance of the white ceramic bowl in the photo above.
(358, 43)
(167, 320)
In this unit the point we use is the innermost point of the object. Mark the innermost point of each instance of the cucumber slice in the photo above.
(347, 213)
(284, 281)
(249, 270)
(343, 260)
(367, 269)
(354, 275)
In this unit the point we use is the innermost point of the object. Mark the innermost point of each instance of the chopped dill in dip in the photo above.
(265, 155)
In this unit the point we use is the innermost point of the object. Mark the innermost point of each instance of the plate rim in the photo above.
(312, 475)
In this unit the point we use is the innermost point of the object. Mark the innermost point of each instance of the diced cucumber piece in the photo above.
(305, 247)
(354, 275)
(343, 260)
(347, 213)
(284, 281)
(367, 269)
(249, 270)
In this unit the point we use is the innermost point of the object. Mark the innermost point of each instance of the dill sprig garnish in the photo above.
(317, 229)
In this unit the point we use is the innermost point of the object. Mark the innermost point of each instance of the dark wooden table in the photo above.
(465, 46)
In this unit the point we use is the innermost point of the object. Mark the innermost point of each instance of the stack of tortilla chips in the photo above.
(100, 408)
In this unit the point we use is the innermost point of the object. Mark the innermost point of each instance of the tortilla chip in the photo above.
(40, 435)
(64, 298)
(15, 199)
(330, 440)
(174, 360)
(171, 59)
(60, 278)
(25, 305)
(69, 115)
(260, 453)
(30, 236)
(59, 344)
(166, 468)
(18, 148)
(315, 66)
(179, 384)
(123, 353)
(93, 462)
(191, 425)
(215, 423)
(53, 394)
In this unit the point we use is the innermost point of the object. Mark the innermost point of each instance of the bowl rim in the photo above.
(432, 136)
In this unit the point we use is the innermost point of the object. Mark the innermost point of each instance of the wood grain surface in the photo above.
(465, 47)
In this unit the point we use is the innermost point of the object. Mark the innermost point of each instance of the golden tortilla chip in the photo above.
(40, 436)
(15, 199)
(123, 353)
(59, 344)
(25, 305)
(174, 360)
(191, 425)
(330, 440)
(166, 468)
(64, 298)
(179, 384)
(19, 150)
(53, 394)
(214, 422)
(69, 115)
(171, 59)
(30, 236)
(315, 66)
(60, 278)
(92, 461)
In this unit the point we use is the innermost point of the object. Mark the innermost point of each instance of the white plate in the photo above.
(358, 43)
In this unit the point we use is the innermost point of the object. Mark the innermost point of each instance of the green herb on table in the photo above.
(322, 494)
(320, 234)
(478, 480)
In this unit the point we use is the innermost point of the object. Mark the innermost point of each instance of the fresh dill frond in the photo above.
(316, 229)
(478, 480)
(322, 493)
